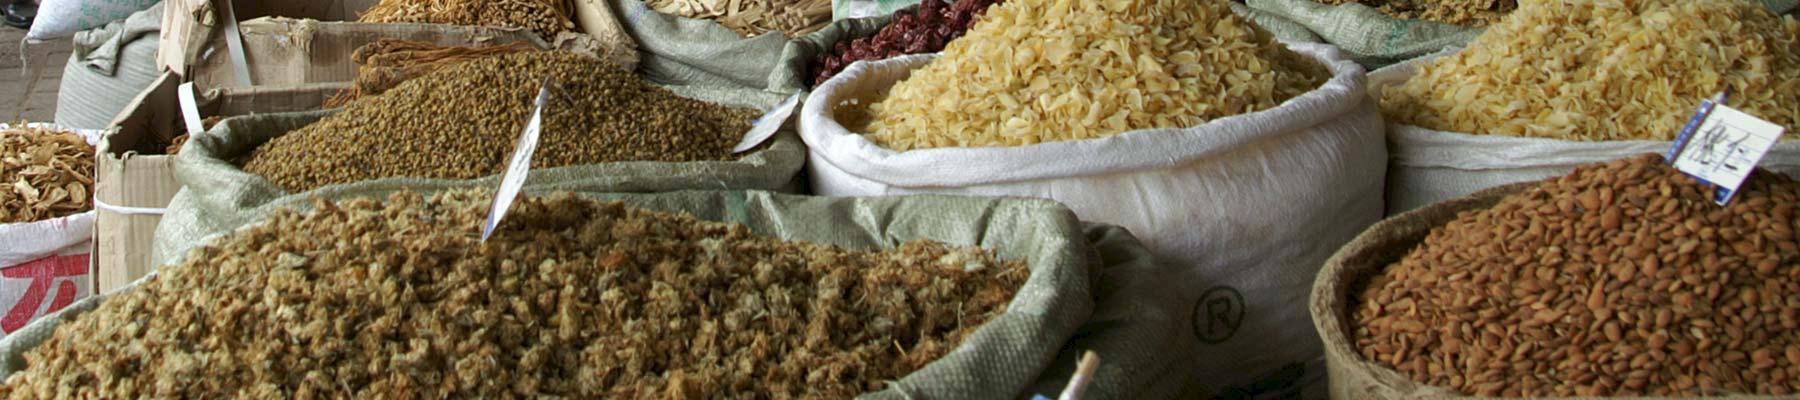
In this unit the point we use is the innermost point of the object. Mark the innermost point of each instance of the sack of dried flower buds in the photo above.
(46, 220)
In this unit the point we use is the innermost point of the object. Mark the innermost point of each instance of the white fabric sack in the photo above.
(58, 19)
(1430, 166)
(1248, 206)
(44, 264)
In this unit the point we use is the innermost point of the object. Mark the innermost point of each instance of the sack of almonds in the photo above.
(694, 294)
(1458, 124)
(1619, 279)
(604, 129)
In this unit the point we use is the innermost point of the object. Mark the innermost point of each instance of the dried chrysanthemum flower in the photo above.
(47, 173)
(1596, 70)
(571, 298)
(1476, 13)
(1035, 71)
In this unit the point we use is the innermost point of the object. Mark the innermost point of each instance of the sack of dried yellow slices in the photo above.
(46, 220)
(1510, 107)
(1378, 33)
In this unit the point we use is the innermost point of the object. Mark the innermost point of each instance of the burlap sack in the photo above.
(1352, 376)
(1027, 350)
(1377, 40)
(217, 196)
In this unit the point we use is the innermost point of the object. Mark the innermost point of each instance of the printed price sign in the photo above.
(519, 167)
(765, 127)
(1721, 146)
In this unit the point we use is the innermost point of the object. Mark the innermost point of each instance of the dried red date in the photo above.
(927, 29)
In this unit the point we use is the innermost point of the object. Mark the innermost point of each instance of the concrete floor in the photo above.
(28, 91)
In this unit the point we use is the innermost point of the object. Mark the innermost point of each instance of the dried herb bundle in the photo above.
(571, 298)
(463, 121)
(1602, 70)
(48, 174)
(754, 17)
(1475, 13)
(545, 17)
(1620, 279)
(1037, 71)
(388, 62)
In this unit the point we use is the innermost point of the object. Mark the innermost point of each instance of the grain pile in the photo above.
(1620, 279)
(925, 30)
(1475, 13)
(463, 122)
(754, 17)
(388, 62)
(547, 18)
(1597, 70)
(571, 298)
(47, 174)
(1035, 71)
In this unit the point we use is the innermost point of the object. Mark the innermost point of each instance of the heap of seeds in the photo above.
(1596, 70)
(547, 18)
(47, 174)
(463, 121)
(570, 298)
(1035, 71)
(1475, 13)
(388, 62)
(754, 17)
(1621, 279)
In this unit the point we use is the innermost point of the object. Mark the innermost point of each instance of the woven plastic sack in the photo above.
(1246, 206)
(1029, 349)
(687, 51)
(58, 19)
(110, 65)
(1430, 166)
(217, 196)
(800, 55)
(1352, 376)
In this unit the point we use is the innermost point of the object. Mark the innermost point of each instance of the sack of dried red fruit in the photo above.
(46, 221)
(1619, 279)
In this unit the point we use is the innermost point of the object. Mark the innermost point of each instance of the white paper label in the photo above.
(1724, 148)
(190, 110)
(519, 167)
(765, 127)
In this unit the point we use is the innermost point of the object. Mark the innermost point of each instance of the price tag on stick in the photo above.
(1721, 146)
(190, 109)
(519, 167)
(766, 126)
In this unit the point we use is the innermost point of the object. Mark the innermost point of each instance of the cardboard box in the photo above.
(188, 25)
(134, 180)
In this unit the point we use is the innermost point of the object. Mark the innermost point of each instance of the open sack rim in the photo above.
(1143, 149)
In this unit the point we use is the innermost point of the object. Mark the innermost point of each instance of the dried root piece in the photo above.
(571, 298)
(46, 173)
(1601, 70)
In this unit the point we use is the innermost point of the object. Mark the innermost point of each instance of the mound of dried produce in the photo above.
(1035, 71)
(754, 17)
(925, 30)
(1476, 13)
(545, 17)
(388, 62)
(47, 173)
(570, 298)
(1595, 70)
(1620, 279)
(173, 146)
(463, 121)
